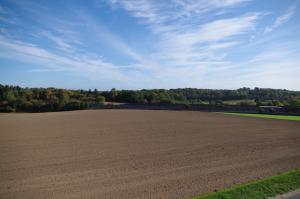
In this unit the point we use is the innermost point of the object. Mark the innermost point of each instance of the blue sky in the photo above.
(135, 44)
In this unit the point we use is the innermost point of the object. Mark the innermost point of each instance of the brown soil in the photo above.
(139, 154)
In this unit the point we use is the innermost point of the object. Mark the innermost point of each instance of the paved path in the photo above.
(290, 195)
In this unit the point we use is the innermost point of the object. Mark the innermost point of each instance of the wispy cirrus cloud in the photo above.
(59, 41)
(187, 42)
(194, 40)
(172, 43)
(5, 17)
(171, 15)
(204, 46)
(288, 14)
(50, 61)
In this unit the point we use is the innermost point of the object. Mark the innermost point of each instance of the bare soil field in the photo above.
(139, 154)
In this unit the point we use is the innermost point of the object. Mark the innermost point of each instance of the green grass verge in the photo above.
(280, 117)
(261, 189)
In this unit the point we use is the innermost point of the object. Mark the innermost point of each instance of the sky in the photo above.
(144, 44)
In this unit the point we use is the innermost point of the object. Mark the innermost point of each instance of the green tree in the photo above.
(113, 94)
(294, 103)
(63, 98)
(10, 96)
(100, 99)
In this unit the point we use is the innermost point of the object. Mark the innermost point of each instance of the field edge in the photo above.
(270, 116)
(261, 189)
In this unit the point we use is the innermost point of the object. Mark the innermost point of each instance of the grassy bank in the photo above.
(280, 117)
(261, 189)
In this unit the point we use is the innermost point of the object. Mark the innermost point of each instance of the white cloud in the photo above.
(223, 45)
(164, 16)
(184, 40)
(204, 45)
(187, 44)
(6, 16)
(289, 13)
(84, 64)
(276, 66)
(217, 30)
(192, 45)
(59, 41)
(100, 32)
(190, 7)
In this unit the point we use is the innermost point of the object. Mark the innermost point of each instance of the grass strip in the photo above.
(279, 117)
(261, 189)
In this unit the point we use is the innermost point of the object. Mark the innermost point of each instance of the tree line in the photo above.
(17, 99)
